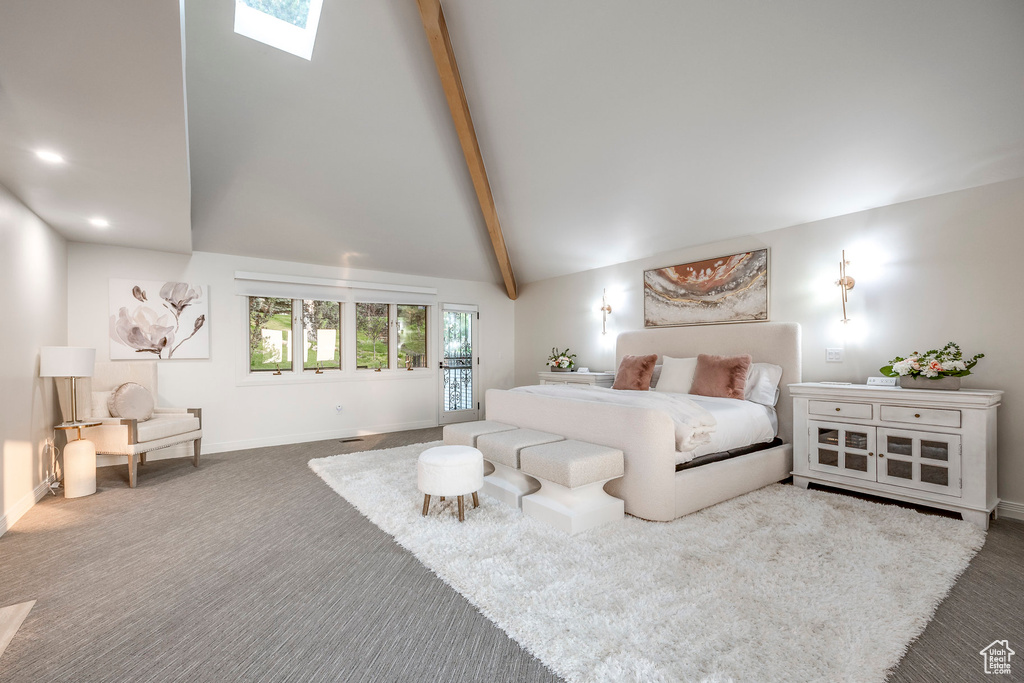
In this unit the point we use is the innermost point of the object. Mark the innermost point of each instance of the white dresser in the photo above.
(597, 379)
(934, 448)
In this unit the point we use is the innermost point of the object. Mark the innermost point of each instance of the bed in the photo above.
(652, 487)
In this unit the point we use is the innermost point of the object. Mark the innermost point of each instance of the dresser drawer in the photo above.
(860, 411)
(924, 416)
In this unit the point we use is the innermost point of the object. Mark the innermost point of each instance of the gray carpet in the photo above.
(250, 568)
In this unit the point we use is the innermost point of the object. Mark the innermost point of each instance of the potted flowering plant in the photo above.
(935, 369)
(561, 361)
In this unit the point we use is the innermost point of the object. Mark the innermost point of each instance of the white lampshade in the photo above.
(66, 361)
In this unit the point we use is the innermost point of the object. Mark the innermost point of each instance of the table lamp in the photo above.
(79, 454)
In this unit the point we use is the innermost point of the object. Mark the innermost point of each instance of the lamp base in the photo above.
(79, 468)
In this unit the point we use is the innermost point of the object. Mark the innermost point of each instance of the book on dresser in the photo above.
(597, 379)
(932, 448)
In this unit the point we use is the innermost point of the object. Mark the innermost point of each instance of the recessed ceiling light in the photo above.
(49, 157)
(99, 222)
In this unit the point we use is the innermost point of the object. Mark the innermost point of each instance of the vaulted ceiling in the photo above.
(610, 130)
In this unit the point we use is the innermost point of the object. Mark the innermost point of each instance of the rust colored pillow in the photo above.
(635, 373)
(722, 376)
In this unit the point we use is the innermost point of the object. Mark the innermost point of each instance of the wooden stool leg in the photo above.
(462, 511)
(442, 499)
(426, 504)
(476, 501)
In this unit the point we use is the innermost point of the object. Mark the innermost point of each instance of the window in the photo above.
(321, 324)
(373, 327)
(270, 331)
(288, 25)
(412, 336)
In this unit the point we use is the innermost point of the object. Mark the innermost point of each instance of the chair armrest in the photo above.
(169, 411)
(198, 412)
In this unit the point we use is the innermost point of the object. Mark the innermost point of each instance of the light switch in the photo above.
(833, 355)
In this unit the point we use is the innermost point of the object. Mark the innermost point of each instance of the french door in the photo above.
(460, 363)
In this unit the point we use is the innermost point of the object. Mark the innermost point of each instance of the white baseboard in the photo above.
(1011, 510)
(24, 505)
(243, 444)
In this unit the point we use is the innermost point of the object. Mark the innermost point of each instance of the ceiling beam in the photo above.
(448, 70)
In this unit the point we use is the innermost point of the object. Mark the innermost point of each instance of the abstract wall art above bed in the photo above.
(158, 320)
(727, 289)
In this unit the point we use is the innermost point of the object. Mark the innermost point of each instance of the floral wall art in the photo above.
(727, 289)
(152, 319)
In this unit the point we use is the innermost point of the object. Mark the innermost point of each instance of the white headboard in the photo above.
(777, 343)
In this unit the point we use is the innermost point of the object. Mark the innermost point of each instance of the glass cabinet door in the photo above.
(918, 460)
(843, 449)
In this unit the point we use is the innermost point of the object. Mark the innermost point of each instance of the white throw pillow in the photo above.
(131, 401)
(763, 383)
(99, 404)
(676, 375)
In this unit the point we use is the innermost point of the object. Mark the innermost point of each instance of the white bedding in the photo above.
(693, 423)
(740, 423)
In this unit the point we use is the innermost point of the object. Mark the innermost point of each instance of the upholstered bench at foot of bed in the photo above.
(507, 483)
(572, 475)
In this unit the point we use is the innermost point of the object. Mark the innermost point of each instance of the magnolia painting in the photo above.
(729, 289)
(154, 319)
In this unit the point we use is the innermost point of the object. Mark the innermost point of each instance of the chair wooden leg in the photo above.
(133, 469)
(442, 499)
(426, 503)
(476, 501)
(195, 457)
(142, 458)
(462, 511)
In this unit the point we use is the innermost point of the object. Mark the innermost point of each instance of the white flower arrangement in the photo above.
(935, 364)
(561, 359)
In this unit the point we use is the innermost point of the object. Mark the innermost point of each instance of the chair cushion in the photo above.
(466, 433)
(162, 427)
(572, 463)
(450, 471)
(504, 447)
(131, 401)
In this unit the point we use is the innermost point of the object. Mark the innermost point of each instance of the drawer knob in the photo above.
(917, 414)
(837, 410)
(881, 455)
(870, 453)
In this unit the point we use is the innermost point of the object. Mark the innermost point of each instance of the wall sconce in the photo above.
(606, 310)
(845, 283)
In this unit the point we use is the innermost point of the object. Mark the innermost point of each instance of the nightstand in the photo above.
(933, 448)
(597, 379)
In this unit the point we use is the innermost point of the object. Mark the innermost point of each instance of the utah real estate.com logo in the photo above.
(997, 657)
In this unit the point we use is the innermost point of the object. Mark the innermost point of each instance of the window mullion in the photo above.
(298, 340)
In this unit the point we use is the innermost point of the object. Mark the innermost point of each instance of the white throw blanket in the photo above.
(693, 423)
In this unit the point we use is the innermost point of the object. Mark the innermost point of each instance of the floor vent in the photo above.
(352, 440)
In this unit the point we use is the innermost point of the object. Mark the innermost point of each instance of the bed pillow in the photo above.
(677, 375)
(721, 376)
(763, 383)
(131, 401)
(635, 372)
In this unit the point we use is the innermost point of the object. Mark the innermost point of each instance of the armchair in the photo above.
(130, 437)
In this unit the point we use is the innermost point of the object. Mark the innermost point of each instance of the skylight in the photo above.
(288, 25)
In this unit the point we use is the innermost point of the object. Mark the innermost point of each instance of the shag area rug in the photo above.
(781, 584)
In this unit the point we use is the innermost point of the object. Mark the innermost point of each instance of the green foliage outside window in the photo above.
(270, 331)
(372, 323)
(412, 336)
(321, 322)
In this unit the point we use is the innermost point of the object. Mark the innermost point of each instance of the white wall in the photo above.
(238, 413)
(928, 271)
(33, 285)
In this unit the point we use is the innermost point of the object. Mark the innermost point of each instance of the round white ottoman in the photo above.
(450, 471)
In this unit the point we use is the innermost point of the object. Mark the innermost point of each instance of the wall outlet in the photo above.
(833, 355)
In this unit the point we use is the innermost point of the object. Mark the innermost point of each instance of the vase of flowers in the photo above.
(561, 361)
(935, 369)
